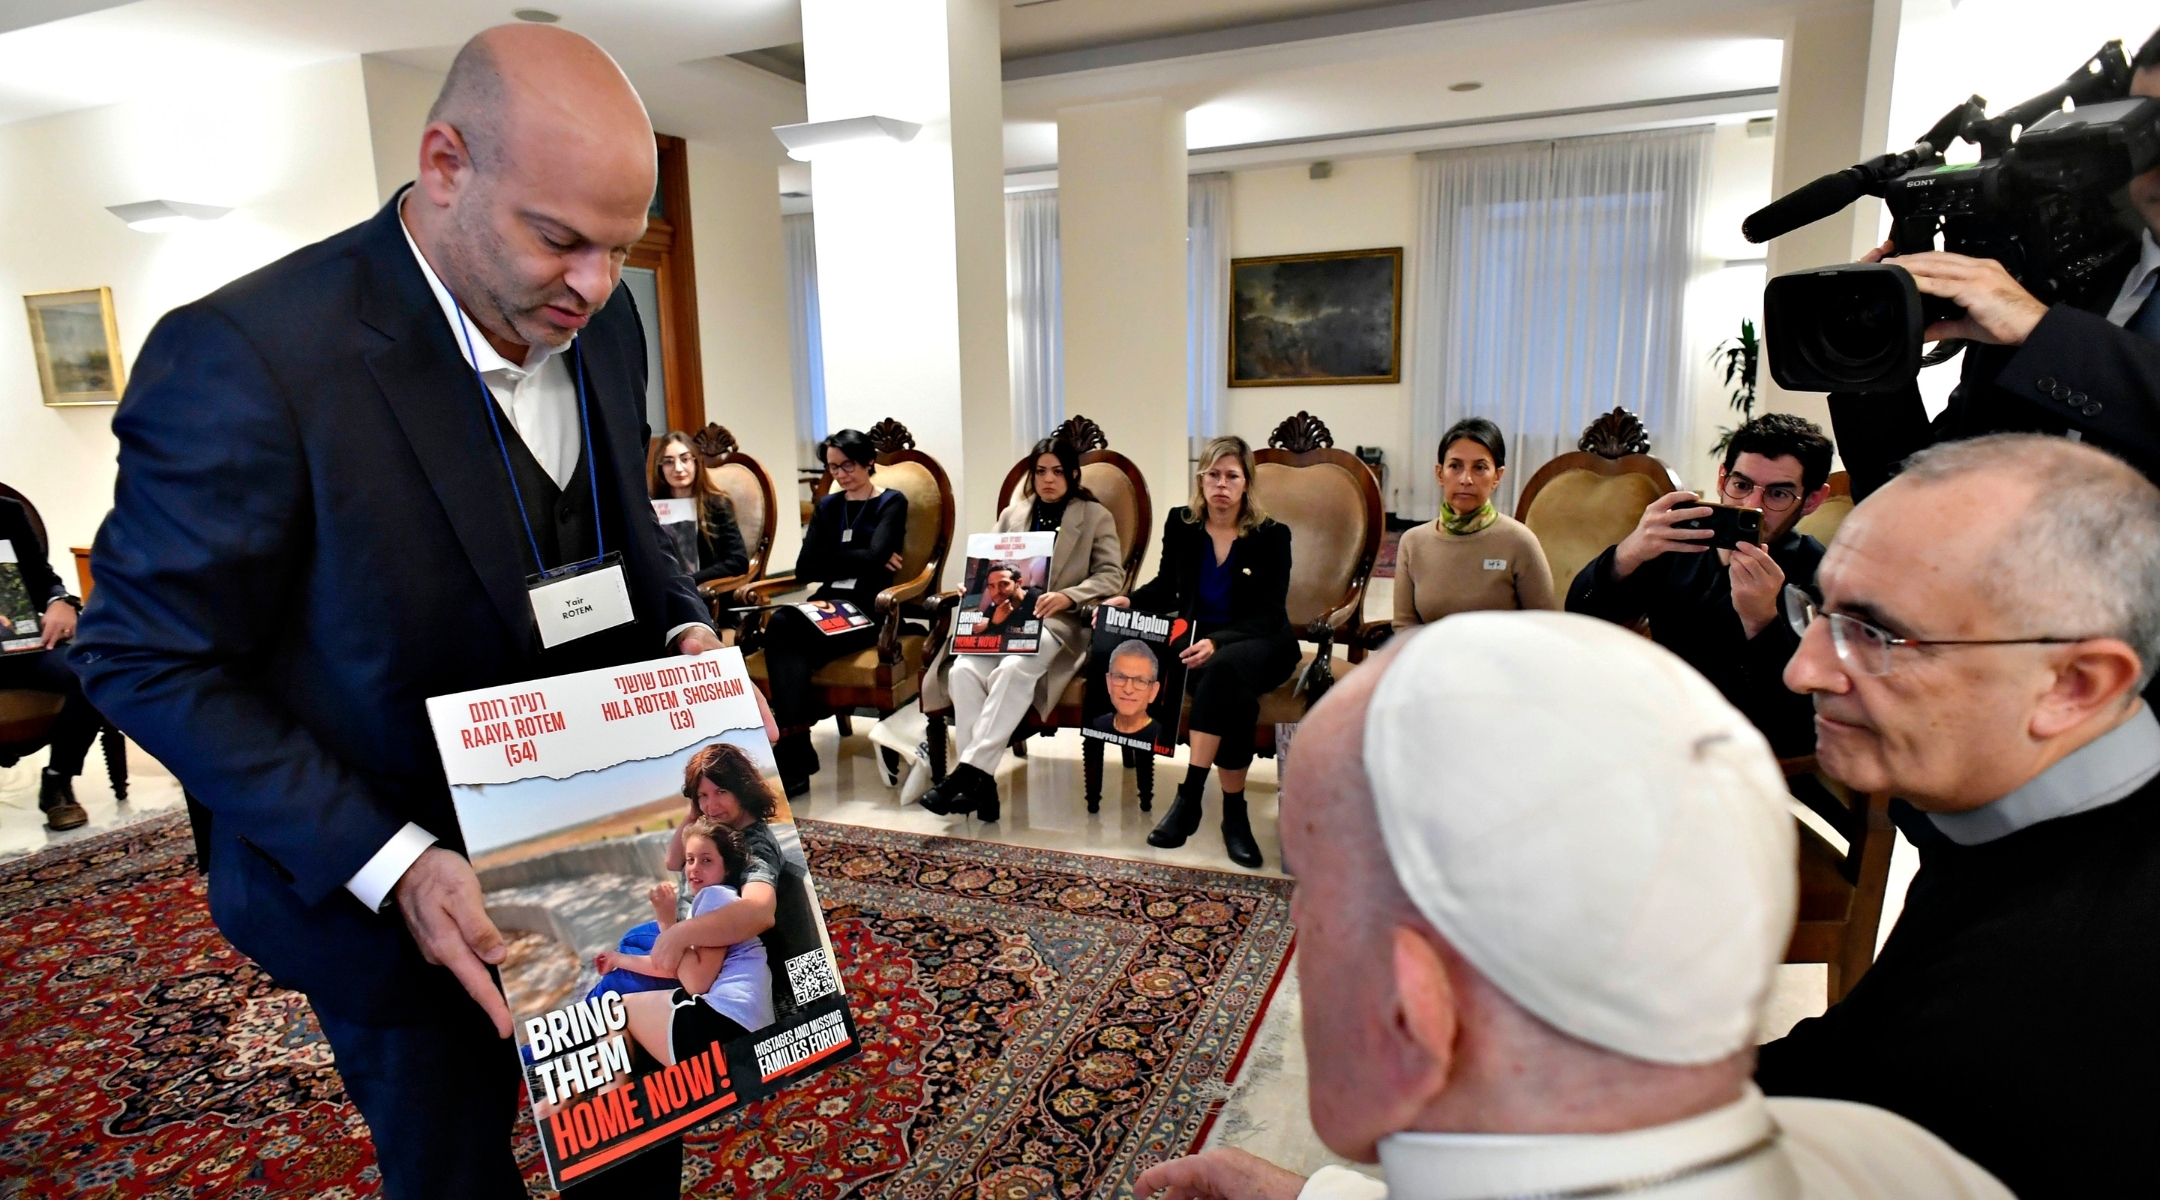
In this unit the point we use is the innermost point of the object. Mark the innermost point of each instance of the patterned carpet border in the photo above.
(1036, 1024)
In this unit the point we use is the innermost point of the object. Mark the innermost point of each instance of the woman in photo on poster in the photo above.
(715, 550)
(990, 693)
(1226, 567)
(852, 549)
(1473, 557)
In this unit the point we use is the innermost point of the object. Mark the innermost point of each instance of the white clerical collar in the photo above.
(1483, 1166)
(477, 350)
(2099, 773)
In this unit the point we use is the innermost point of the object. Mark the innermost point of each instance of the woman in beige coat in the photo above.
(989, 694)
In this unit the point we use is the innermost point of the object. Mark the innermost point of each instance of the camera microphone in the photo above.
(1825, 197)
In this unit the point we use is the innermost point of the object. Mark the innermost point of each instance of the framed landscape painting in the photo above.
(77, 345)
(1316, 319)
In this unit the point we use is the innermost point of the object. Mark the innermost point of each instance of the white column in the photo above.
(1121, 261)
(911, 236)
(1833, 111)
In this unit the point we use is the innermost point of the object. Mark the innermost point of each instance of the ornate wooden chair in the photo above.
(1331, 502)
(744, 481)
(26, 717)
(1822, 524)
(1841, 892)
(1119, 485)
(887, 676)
(1589, 498)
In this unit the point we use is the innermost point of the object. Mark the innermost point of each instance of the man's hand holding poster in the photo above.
(643, 1008)
(1006, 574)
(1136, 682)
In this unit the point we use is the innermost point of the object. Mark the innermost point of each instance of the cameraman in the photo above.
(2090, 374)
(1719, 611)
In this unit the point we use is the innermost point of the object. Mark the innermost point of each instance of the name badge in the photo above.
(675, 511)
(847, 535)
(579, 601)
(1496, 564)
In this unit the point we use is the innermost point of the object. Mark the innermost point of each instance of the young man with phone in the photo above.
(1711, 595)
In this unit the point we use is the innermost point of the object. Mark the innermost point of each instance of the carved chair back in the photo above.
(1588, 499)
(1331, 502)
(744, 481)
(1111, 478)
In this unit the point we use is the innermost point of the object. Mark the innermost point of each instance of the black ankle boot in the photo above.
(797, 762)
(1237, 836)
(984, 798)
(1181, 822)
(954, 795)
(56, 798)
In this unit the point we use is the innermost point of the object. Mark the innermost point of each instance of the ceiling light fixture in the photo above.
(164, 216)
(801, 139)
(1467, 85)
(538, 16)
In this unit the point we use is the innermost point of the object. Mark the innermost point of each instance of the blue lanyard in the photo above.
(592, 469)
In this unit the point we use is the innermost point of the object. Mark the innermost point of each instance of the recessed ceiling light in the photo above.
(538, 16)
(1467, 85)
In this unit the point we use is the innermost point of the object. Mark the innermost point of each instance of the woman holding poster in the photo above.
(697, 516)
(990, 693)
(1226, 567)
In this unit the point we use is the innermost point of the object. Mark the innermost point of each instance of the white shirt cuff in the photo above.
(1342, 1183)
(675, 635)
(372, 884)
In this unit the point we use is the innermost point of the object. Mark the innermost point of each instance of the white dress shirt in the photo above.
(1784, 1149)
(541, 398)
(2138, 284)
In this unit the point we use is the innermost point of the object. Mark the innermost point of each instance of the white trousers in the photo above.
(991, 693)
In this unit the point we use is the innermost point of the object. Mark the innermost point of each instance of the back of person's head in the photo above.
(855, 446)
(1068, 460)
(1479, 430)
(734, 859)
(1592, 884)
(1785, 435)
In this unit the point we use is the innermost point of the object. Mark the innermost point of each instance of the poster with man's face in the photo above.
(1006, 577)
(1135, 680)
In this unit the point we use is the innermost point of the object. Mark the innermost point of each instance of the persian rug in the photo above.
(1034, 1025)
(1384, 564)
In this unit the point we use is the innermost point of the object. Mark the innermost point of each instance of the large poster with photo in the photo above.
(1004, 577)
(573, 793)
(1135, 681)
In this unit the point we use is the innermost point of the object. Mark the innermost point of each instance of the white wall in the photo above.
(289, 151)
(1368, 203)
(743, 321)
(398, 99)
(1722, 295)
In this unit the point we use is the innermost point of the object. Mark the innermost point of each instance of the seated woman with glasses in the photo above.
(1226, 567)
(1474, 557)
(1720, 610)
(851, 548)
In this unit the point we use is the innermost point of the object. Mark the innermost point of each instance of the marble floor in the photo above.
(1265, 1109)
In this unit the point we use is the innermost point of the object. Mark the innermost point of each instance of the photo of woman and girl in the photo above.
(729, 857)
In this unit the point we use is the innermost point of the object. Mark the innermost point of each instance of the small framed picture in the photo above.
(78, 346)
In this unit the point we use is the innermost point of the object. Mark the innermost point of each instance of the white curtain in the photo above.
(1034, 319)
(806, 340)
(1207, 303)
(1553, 280)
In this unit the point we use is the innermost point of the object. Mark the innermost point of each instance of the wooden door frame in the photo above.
(665, 250)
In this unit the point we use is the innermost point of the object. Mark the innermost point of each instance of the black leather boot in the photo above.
(56, 798)
(1237, 836)
(797, 762)
(985, 797)
(954, 795)
(1181, 822)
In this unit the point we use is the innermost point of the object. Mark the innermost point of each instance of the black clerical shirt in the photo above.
(1688, 598)
(2011, 1011)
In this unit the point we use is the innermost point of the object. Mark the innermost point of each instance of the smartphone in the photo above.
(1729, 524)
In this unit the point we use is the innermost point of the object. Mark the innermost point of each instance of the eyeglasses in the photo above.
(1776, 498)
(1866, 648)
(1118, 679)
(678, 460)
(843, 467)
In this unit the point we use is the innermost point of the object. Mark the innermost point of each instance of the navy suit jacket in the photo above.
(313, 532)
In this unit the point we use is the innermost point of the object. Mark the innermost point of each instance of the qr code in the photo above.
(810, 977)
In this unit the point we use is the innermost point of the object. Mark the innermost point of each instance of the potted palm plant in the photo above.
(1737, 359)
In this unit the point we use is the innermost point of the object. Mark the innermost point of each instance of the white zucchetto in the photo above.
(1590, 824)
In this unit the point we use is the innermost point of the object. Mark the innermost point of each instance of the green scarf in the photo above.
(1463, 524)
